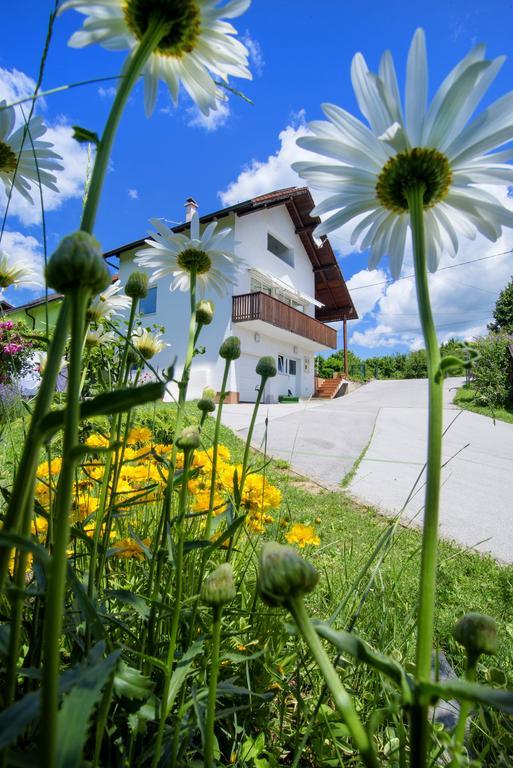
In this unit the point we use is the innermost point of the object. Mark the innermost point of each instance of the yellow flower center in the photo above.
(408, 169)
(183, 17)
(194, 258)
(8, 158)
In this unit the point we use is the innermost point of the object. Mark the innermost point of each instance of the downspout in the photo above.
(32, 318)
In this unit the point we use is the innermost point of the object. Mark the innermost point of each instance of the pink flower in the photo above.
(12, 349)
(7, 325)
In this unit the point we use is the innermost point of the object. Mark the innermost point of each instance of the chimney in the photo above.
(191, 206)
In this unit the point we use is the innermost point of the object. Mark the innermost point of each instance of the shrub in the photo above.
(493, 371)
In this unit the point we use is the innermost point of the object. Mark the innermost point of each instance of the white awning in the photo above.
(285, 287)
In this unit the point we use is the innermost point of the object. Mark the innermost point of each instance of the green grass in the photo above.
(466, 398)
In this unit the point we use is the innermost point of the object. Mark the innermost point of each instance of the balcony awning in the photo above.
(277, 283)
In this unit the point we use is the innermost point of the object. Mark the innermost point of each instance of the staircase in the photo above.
(330, 388)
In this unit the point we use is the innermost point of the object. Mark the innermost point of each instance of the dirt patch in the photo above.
(308, 486)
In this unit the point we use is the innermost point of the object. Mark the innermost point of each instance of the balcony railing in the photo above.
(261, 306)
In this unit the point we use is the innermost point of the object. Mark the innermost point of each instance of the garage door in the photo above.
(247, 378)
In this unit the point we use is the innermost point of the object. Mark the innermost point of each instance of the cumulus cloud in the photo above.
(256, 56)
(107, 92)
(70, 181)
(211, 122)
(133, 194)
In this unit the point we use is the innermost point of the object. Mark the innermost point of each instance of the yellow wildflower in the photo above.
(39, 526)
(46, 469)
(259, 495)
(302, 535)
(42, 491)
(139, 435)
(128, 548)
(97, 441)
(85, 504)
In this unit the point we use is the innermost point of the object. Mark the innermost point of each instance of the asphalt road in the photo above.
(323, 439)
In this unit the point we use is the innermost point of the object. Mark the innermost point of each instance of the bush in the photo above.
(493, 371)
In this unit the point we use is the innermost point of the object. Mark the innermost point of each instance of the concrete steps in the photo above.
(329, 388)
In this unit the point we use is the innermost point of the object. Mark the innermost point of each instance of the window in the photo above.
(281, 364)
(292, 367)
(287, 365)
(280, 250)
(148, 305)
(258, 285)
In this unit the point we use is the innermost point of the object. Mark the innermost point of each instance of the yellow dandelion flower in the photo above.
(139, 435)
(260, 495)
(97, 441)
(84, 504)
(42, 492)
(128, 548)
(39, 526)
(302, 535)
(46, 469)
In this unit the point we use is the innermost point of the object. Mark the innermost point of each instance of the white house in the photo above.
(289, 289)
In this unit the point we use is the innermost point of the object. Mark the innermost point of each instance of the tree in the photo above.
(503, 312)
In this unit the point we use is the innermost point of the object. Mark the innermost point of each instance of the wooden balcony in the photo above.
(261, 306)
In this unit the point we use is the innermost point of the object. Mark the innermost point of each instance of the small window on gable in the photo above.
(148, 305)
(280, 250)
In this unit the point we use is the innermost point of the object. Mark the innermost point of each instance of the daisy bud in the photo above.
(77, 262)
(283, 574)
(230, 348)
(137, 285)
(188, 439)
(266, 367)
(207, 402)
(205, 312)
(218, 588)
(477, 633)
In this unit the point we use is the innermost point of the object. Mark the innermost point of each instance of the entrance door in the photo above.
(288, 366)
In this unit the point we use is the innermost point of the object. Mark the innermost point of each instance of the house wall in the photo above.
(249, 242)
(35, 317)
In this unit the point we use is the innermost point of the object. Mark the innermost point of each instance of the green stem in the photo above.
(56, 586)
(22, 492)
(212, 687)
(215, 451)
(465, 707)
(425, 625)
(177, 606)
(155, 31)
(341, 697)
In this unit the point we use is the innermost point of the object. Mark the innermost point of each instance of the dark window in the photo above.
(148, 305)
(280, 250)
(292, 367)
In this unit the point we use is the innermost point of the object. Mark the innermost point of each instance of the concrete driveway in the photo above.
(323, 439)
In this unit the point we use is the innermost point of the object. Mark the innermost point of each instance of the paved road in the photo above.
(322, 440)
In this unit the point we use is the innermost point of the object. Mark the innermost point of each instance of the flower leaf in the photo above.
(84, 136)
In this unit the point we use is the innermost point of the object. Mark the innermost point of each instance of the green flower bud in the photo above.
(77, 262)
(205, 312)
(188, 439)
(477, 633)
(283, 574)
(230, 348)
(218, 588)
(137, 285)
(266, 367)
(207, 402)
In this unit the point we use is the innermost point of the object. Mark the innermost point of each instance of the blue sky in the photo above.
(301, 56)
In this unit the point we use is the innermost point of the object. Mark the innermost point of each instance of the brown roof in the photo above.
(330, 286)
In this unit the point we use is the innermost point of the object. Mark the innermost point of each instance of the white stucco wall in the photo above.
(172, 312)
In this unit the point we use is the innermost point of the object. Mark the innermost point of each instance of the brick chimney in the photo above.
(191, 206)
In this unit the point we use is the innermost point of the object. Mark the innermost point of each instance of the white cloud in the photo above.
(107, 92)
(23, 248)
(133, 194)
(365, 299)
(70, 181)
(211, 122)
(256, 56)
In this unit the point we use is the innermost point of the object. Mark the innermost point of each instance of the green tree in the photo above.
(503, 312)
(493, 371)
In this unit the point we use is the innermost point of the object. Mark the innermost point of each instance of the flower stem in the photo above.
(56, 586)
(341, 697)
(425, 626)
(212, 687)
(215, 451)
(22, 490)
(465, 707)
(154, 32)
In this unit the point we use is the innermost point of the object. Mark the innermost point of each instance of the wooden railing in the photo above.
(261, 306)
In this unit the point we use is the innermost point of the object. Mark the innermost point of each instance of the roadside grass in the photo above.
(466, 398)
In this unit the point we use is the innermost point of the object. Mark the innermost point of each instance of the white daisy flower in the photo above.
(147, 343)
(198, 46)
(176, 254)
(41, 359)
(434, 144)
(18, 156)
(99, 337)
(108, 303)
(18, 272)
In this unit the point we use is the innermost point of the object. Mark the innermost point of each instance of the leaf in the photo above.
(182, 670)
(15, 540)
(87, 608)
(84, 136)
(465, 691)
(138, 603)
(451, 365)
(75, 712)
(17, 717)
(131, 683)
(105, 404)
(349, 643)
(227, 534)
